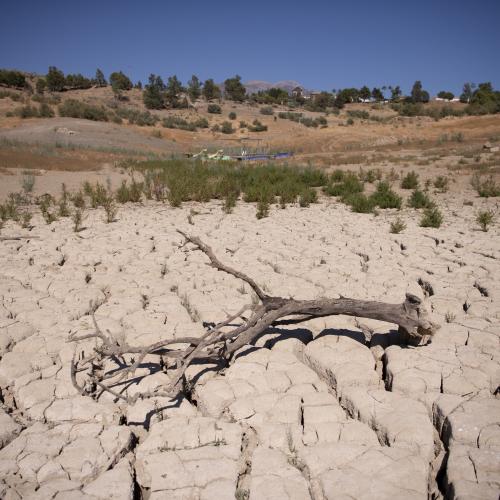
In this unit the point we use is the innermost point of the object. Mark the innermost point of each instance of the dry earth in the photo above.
(332, 410)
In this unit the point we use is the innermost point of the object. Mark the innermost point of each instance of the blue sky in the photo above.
(322, 44)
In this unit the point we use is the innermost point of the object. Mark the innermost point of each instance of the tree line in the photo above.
(157, 94)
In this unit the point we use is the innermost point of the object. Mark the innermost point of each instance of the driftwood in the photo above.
(220, 342)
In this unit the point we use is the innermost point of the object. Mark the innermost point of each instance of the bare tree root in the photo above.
(220, 342)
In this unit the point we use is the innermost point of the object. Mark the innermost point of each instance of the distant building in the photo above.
(297, 92)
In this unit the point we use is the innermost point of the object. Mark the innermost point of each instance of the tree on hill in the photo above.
(119, 81)
(395, 92)
(77, 81)
(377, 94)
(41, 85)
(321, 101)
(173, 90)
(153, 95)
(446, 95)
(418, 94)
(345, 96)
(484, 100)
(138, 85)
(234, 89)
(99, 79)
(194, 88)
(210, 90)
(364, 93)
(12, 78)
(55, 79)
(279, 95)
(467, 92)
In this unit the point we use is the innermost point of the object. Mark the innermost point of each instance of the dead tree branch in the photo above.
(220, 342)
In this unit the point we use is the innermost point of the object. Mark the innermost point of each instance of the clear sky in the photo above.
(321, 44)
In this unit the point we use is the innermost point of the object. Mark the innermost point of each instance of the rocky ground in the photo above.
(334, 409)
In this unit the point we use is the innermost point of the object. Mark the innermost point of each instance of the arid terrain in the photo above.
(334, 408)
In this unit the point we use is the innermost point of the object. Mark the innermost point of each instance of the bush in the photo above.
(308, 196)
(267, 110)
(257, 126)
(12, 78)
(295, 117)
(179, 123)
(201, 123)
(350, 184)
(27, 112)
(485, 218)
(432, 217)
(45, 111)
(385, 197)
(214, 109)
(410, 180)
(262, 209)
(419, 199)
(77, 109)
(232, 115)
(485, 188)
(441, 183)
(397, 226)
(361, 115)
(136, 117)
(227, 128)
(359, 203)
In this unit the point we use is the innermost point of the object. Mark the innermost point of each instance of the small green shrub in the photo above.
(397, 226)
(232, 115)
(28, 182)
(485, 187)
(308, 196)
(484, 218)
(257, 126)
(214, 109)
(432, 217)
(349, 184)
(419, 199)
(77, 219)
(410, 180)
(227, 128)
(262, 209)
(359, 203)
(110, 208)
(441, 183)
(385, 197)
(78, 109)
(267, 110)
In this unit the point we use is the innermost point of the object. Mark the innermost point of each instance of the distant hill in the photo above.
(253, 86)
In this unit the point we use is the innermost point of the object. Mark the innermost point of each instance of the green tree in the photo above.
(278, 95)
(364, 93)
(41, 85)
(234, 89)
(119, 81)
(100, 81)
(55, 79)
(194, 88)
(12, 78)
(77, 81)
(153, 95)
(377, 94)
(173, 90)
(418, 94)
(446, 95)
(395, 92)
(467, 92)
(210, 90)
